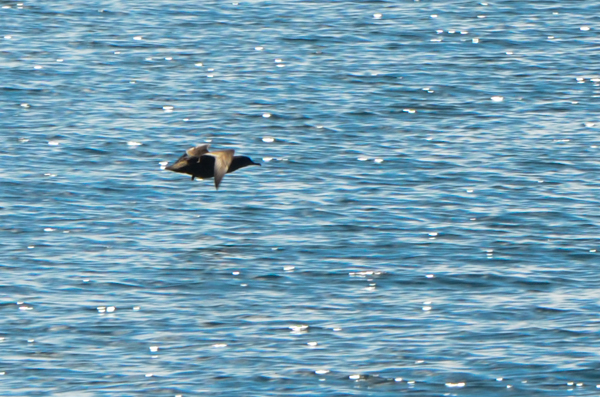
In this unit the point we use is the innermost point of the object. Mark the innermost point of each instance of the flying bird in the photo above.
(200, 163)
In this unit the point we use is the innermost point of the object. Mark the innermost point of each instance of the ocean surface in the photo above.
(425, 221)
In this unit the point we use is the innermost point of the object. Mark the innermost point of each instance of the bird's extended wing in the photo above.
(223, 160)
(198, 150)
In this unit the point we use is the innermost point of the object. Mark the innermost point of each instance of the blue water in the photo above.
(425, 220)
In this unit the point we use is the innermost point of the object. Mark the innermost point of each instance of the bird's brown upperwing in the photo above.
(223, 159)
(198, 151)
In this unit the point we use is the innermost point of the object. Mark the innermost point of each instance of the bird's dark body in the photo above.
(200, 163)
(203, 167)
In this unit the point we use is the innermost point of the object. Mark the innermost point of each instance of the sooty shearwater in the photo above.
(200, 163)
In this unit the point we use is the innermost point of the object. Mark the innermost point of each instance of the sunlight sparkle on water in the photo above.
(298, 329)
(497, 98)
(268, 139)
(460, 384)
(377, 16)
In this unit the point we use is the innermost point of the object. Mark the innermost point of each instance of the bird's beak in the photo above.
(259, 164)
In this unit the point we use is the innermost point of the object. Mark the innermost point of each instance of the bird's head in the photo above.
(241, 162)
